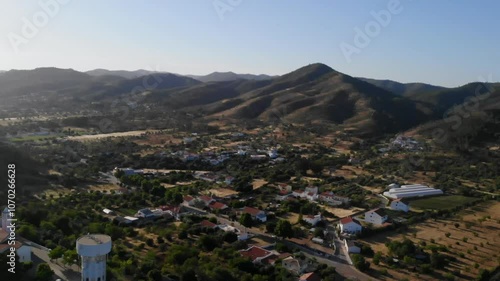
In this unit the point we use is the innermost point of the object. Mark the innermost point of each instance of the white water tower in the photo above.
(93, 250)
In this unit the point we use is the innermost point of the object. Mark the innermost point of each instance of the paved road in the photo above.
(61, 271)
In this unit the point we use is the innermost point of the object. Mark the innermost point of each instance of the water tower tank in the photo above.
(93, 250)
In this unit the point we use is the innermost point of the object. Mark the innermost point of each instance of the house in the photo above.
(23, 251)
(348, 225)
(218, 206)
(400, 205)
(242, 235)
(334, 200)
(206, 199)
(376, 216)
(208, 224)
(256, 214)
(284, 187)
(312, 220)
(318, 240)
(282, 195)
(351, 247)
(256, 254)
(299, 193)
(188, 201)
(311, 276)
(294, 265)
(144, 213)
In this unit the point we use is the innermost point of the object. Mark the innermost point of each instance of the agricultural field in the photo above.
(472, 237)
(441, 202)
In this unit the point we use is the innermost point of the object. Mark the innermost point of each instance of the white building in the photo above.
(400, 205)
(376, 216)
(334, 200)
(413, 190)
(348, 225)
(93, 250)
(312, 220)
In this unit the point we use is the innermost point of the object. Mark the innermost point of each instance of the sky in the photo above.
(446, 42)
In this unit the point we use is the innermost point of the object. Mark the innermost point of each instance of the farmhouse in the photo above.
(376, 216)
(255, 213)
(400, 205)
(413, 190)
(348, 225)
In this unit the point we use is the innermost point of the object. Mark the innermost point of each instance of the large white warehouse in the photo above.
(412, 190)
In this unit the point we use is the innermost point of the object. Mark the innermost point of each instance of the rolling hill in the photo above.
(403, 89)
(229, 76)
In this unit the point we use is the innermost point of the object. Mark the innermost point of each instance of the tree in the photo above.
(56, 253)
(246, 220)
(43, 272)
(283, 229)
(360, 262)
(270, 226)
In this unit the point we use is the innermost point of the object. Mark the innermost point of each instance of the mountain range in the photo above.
(313, 94)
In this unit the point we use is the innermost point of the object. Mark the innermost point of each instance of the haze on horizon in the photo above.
(447, 43)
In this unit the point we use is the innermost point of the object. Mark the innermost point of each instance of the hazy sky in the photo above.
(442, 42)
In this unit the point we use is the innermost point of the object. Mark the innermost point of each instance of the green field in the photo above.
(441, 202)
(34, 138)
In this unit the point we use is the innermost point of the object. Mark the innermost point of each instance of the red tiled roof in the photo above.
(188, 198)
(299, 191)
(217, 205)
(346, 220)
(251, 211)
(206, 223)
(255, 252)
(17, 245)
(206, 198)
(311, 276)
(284, 192)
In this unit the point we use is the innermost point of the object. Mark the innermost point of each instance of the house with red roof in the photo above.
(188, 201)
(256, 254)
(349, 225)
(208, 224)
(255, 213)
(206, 199)
(221, 207)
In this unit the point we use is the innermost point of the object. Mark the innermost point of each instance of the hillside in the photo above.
(317, 93)
(121, 73)
(229, 76)
(403, 89)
